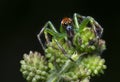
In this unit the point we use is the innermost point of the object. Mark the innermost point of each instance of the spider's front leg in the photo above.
(84, 28)
(96, 27)
(77, 19)
(52, 31)
(81, 22)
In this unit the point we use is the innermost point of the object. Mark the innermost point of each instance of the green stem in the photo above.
(55, 77)
(66, 66)
(85, 80)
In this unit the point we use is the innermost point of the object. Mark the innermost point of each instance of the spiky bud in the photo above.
(76, 74)
(33, 67)
(84, 41)
(55, 55)
(94, 64)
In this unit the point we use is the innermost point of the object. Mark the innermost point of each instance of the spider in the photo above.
(68, 28)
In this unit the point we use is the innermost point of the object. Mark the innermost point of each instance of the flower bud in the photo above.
(34, 67)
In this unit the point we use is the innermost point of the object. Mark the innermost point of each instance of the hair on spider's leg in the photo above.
(75, 17)
(45, 33)
(63, 50)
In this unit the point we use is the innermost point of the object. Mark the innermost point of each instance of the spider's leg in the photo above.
(63, 50)
(46, 30)
(99, 29)
(96, 27)
(65, 53)
(75, 17)
(84, 21)
(93, 24)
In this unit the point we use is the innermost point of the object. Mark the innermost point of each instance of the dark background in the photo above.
(21, 21)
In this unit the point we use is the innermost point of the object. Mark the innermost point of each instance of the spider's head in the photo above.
(66, 21)
(67, 25)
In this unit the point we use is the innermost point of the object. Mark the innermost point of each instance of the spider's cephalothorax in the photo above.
(68, 26)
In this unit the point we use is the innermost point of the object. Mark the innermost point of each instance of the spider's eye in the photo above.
(69, 28)
(70, 32)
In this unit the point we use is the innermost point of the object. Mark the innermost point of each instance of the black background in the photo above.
(21, 21)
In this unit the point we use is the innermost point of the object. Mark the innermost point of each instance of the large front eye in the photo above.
(70, 32)
(68, 28)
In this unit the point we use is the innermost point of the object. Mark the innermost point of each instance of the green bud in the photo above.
(51, 66)
(37, 77)
(39, 72)
(94, 64)
(28, 78)
(31, 74)
(34, 80)
(34, 67)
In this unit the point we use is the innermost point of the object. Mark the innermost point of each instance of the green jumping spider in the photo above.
(70, 32)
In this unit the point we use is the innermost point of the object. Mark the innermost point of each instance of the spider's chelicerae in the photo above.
(71, 32)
